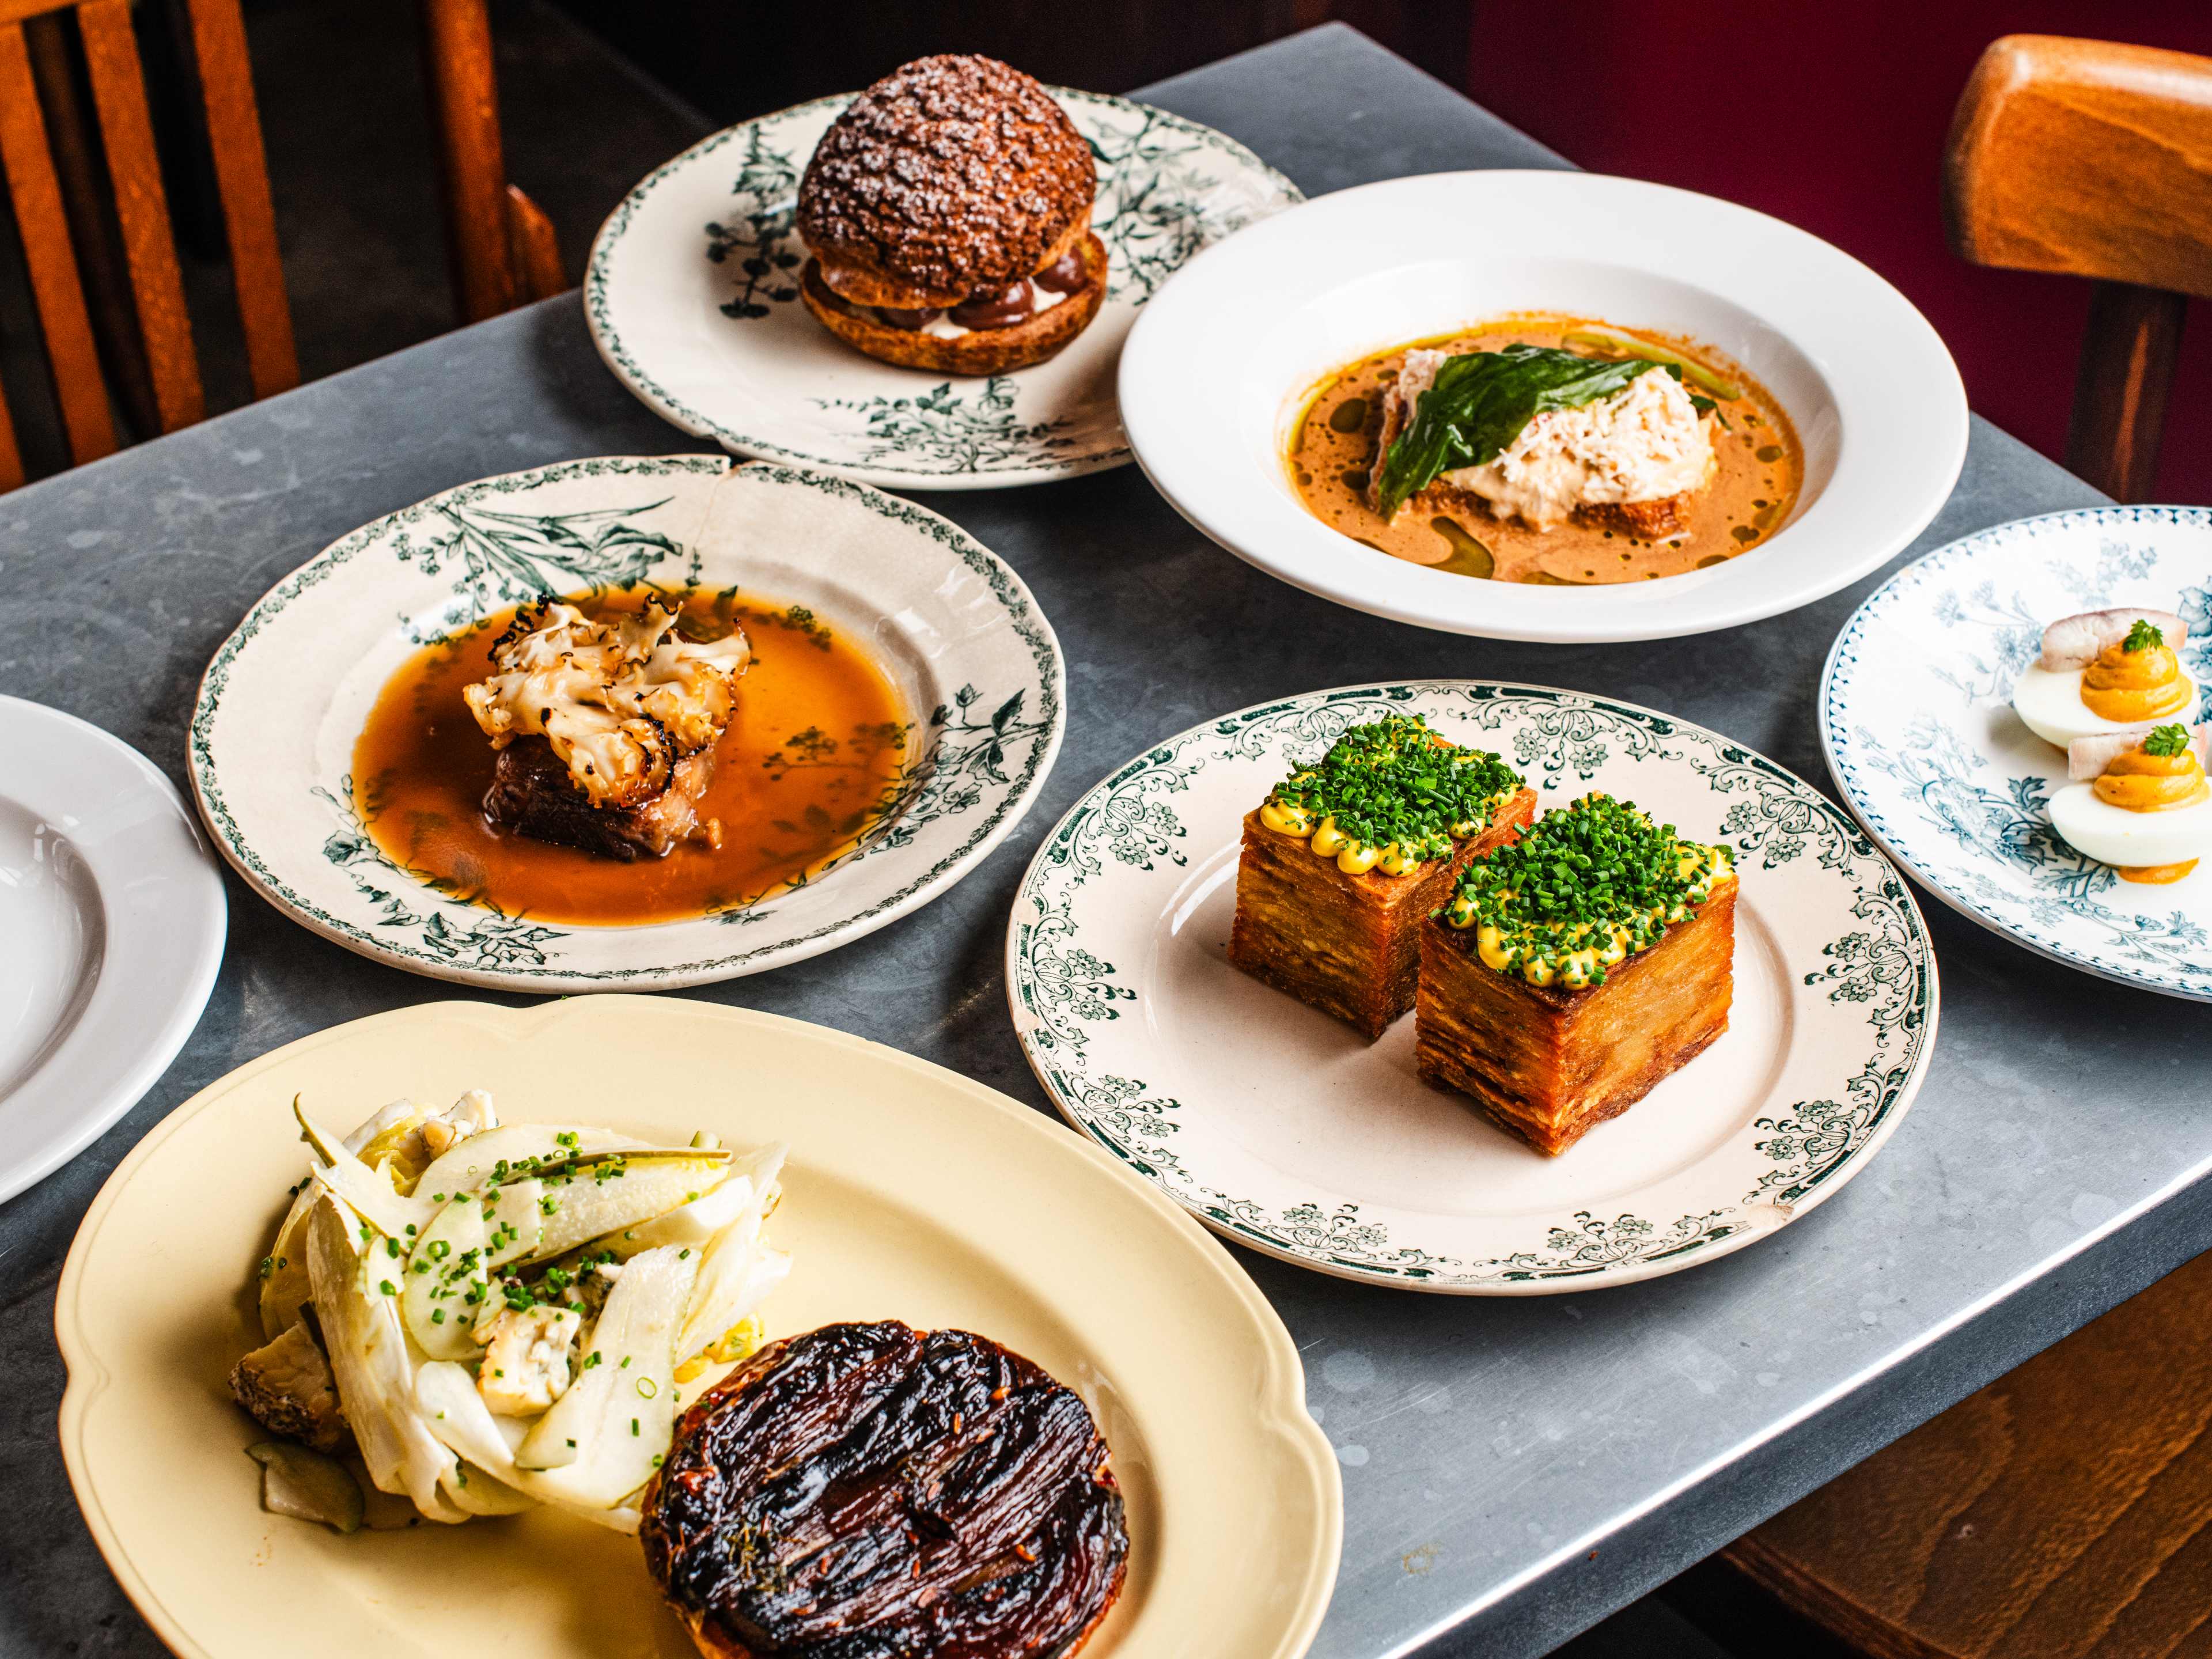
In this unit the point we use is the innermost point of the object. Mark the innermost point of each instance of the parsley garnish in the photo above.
(2167, 740)
(2142, 636)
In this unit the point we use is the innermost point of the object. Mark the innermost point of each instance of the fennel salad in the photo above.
(496, 1316)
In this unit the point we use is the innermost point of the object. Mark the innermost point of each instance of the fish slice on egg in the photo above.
(2047, 697)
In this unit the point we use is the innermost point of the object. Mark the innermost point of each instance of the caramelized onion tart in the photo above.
(863, 1492)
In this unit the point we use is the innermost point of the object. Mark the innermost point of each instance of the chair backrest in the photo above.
(141, 212)
(2094, 159)
(500, 242)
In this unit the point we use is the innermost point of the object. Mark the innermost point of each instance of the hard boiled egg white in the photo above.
(2050, 705)
(2112, 835)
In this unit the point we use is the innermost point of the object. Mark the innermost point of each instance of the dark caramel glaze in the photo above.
(950, 175)
(870, 1491)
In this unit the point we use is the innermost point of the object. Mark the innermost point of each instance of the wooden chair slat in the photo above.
(36, 193)
(242, 181)
(457, 52)
(11, 459)
(535, 250)
(2085, 156)
(142, 208)
(102, 268)
(17, 11)
(2128, 355)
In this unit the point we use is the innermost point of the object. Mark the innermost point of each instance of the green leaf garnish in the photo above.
(2167, 740)
(1482, 401)
(2142, 637)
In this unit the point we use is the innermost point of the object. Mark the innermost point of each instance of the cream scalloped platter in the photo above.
(1285, 1130)
(910, 1192)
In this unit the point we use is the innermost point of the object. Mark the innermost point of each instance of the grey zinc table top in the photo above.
(1516, 1469)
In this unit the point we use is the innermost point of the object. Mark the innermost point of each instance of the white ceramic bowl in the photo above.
(1219, 365)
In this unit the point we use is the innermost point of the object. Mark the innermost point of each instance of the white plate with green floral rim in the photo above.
(1285, 1131)
(692, 294)
(1916, 715)
(285, 698)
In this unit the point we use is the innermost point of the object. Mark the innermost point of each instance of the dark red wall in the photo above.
(1832, 114)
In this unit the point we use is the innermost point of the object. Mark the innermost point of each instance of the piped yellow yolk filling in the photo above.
(2139, 782)
(2132, 686)
(1354, 857)
(1574, 956)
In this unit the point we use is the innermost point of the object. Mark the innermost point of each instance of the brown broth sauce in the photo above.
(1755, 482)
(811, 762)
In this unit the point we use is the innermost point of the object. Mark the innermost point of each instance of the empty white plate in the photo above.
(112, 914)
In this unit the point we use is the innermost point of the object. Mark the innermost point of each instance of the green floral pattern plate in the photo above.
(1284, 1130)
(286, 697)
(692, 294)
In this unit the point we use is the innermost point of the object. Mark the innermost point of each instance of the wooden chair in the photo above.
(500, 242)
(141, 212)
(2064, 1512)
(2094, 159)
(118, 325)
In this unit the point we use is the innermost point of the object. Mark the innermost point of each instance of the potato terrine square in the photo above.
(1573, 969)
(1346, 857)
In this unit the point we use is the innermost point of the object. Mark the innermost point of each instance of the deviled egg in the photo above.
(2138, 801)
(2104, 672)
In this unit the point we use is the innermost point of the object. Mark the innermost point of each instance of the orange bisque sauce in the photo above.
(811, 762)
(1759, 470)
(2134, 686)
(2138, 782)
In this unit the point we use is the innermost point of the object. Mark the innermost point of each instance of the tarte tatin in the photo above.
(1545, 448)
(638, 756)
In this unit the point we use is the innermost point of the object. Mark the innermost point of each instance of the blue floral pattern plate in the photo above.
(284, 700)
(692, 294)
(1916, 715)
(1285, 1131)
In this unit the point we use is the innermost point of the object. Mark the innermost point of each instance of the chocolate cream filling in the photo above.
(990, 309)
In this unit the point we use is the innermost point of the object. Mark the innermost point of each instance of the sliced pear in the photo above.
(596, 1200)
(458, 1254)
(468, 1166)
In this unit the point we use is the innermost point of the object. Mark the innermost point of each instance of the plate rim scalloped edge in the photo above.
(1282, 1408)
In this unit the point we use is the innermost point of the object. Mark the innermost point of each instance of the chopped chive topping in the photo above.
(648, 1387)
(2167, 740)
(1394, 782)
(1593, 877)
(2142, 636)
(387, 1287)
(633, 1425)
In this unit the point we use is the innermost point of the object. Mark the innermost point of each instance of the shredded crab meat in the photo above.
(620, 702)
(1643, 443)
